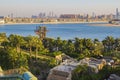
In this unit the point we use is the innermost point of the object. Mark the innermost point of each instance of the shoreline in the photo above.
(93, 23)
(55, 23)
(105, 24)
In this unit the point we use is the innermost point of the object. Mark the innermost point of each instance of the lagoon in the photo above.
(65, 31)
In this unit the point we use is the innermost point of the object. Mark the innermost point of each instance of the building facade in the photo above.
(65, 69)
(2, 20)
(116, 19)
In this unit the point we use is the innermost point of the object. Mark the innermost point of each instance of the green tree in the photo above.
(16, 41)
(117, 44)
(29, 43)
(49, 44)
(98, 48)
(70, 49)
(78, 45)
(37, 44)
(58, 44)
(3, 38)
(80, 72)
(108, 43)
(9, 59)
(64, 46)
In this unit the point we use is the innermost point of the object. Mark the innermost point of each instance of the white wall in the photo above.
(2, 21)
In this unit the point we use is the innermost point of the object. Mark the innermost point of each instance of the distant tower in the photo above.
(52, 14)
(11, 15)
(93, 15)
(117, 13)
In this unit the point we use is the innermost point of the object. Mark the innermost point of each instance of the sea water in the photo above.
(64, 31)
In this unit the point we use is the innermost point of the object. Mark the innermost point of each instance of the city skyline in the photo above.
(26, 8)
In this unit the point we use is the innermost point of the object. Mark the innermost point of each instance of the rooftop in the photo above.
(66, 66)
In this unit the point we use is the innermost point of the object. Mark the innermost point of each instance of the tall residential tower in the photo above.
(117, 13)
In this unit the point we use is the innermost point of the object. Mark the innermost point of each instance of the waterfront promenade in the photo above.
(50, 20)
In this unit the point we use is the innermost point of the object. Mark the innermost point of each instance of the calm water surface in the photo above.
(65, 31)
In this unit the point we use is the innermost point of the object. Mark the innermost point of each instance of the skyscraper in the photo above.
(117, 13)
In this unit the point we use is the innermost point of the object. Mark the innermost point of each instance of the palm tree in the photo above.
(58, 44)
(3, 40)
(98, 48)
(109, 43)
(78, 45)
(64, 43)
(88, 46)
(117, 44)
(37, 44)
(16, 41)
(3, 37)
(29, 43)
(79, 72)
(49, 44)
(70, 49)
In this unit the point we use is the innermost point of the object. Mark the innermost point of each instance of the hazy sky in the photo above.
(28, 7)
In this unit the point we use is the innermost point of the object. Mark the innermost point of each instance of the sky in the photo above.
(26, 8)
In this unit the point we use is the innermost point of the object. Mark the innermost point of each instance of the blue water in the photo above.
(65, 31)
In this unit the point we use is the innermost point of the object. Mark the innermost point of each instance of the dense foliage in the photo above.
(18, 51)
(82, 73)
(80, 48)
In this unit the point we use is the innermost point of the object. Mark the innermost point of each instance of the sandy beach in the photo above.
(95, 23)
(104, 24)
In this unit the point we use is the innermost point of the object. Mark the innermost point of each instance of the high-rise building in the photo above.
(11, 15)
(34, 16)
(41, 15)
(2, 20)
(116, 19)
(117, 13)
(67, 16)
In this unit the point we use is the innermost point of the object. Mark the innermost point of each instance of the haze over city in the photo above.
(26, 8)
